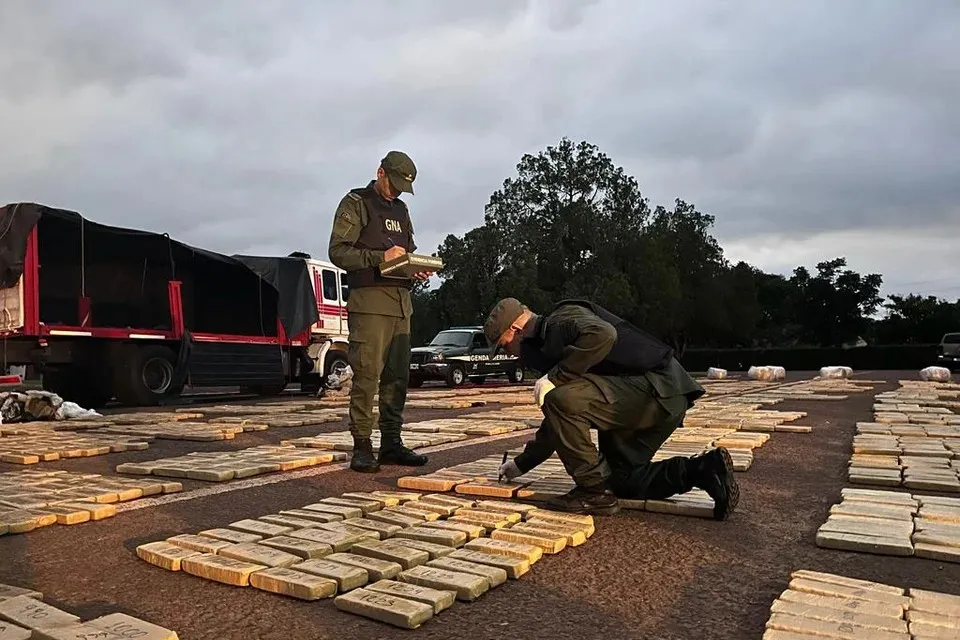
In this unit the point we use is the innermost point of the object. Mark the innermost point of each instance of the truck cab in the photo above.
(458, 354)
(329, 335)
(949, 355)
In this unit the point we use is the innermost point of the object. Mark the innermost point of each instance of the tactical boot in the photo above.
(392, 451)
(363, 460)
(713, 472)
(598, 501)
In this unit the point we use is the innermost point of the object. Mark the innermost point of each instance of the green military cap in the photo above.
(400, 170)
(503, 314)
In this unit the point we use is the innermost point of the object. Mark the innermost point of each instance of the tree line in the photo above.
(573, 224)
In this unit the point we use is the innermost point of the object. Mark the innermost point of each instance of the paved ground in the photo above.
(642, 575)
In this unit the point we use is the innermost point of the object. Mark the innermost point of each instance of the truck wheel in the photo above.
(335, 362)
(456, 376)
(144, 375)
(515, 375)
(415, 382)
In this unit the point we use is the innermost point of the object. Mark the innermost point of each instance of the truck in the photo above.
(459, 354)
(107, 312)
(949, 355)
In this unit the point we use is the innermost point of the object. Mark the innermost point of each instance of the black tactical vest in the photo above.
(388, 225)
(634, 353)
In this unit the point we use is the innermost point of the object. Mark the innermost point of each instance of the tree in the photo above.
(836, 302)
(739, 314)
(472, 266)
(568, 217)
(426, 320)
(916, 319)
(571, 223)
(678, 270)
(780, 301)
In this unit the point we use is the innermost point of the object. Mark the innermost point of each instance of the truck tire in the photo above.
(515, 375)
(456, 375)
(334, 362)
(143, 376)
(89, 389)
(415, 382)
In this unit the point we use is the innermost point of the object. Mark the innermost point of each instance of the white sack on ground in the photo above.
(713, 373)
(935, 374)
(335, 381)
(73, 411)
(835, 372)
(338, 384)
(27, 406)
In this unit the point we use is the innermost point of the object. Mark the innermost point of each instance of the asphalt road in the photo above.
(642, 575)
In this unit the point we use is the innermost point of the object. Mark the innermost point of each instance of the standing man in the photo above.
(603, 373)
(372, 225)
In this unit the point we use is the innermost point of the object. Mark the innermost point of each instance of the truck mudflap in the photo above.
(182, 370)
(309, 366)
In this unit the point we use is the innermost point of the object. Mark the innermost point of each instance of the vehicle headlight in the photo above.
(437, 357)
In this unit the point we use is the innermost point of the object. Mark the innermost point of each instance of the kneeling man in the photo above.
(601, 372)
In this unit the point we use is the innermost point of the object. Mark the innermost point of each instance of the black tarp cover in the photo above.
(291, 278)
(298, 309)
(16, 221)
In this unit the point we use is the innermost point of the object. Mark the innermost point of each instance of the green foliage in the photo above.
(571, 223)
(914, 319)
(837, 302)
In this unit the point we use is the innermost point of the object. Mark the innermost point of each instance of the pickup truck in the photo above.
(458, 354)
(949, 355)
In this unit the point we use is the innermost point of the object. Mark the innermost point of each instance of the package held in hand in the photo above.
(410, 264)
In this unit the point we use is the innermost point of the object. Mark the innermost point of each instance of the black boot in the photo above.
(713, 472)
(392, 451)
(598, 501)
(363, 460)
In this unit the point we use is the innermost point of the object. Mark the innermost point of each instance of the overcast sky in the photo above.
(810, 130)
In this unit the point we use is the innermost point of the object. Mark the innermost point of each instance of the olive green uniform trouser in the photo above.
(379, 354)
(632, 421)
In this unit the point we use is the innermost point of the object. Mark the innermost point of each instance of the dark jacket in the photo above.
(574, 341)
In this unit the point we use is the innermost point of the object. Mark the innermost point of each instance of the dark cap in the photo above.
(503, 314)
(400, 170)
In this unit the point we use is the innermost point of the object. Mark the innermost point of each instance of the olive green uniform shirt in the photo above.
(348, 221)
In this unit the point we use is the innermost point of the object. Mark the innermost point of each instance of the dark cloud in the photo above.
(239, 124)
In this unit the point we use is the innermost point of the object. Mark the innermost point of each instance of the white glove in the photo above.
(541, 388)
(508, 471)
